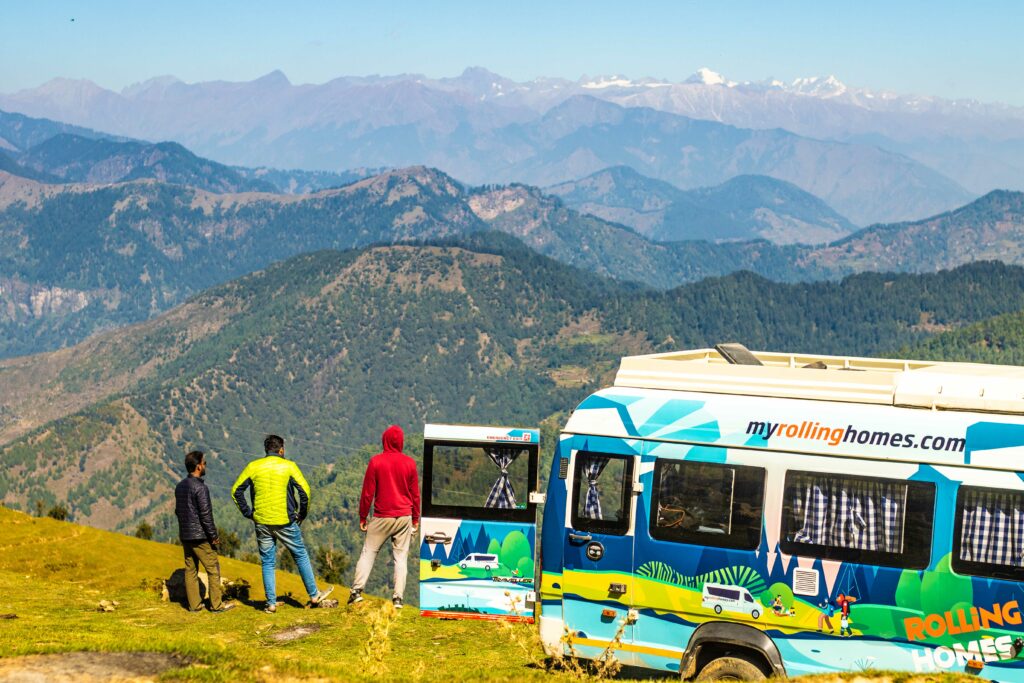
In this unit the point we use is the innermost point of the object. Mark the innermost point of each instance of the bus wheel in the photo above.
(730, 669)
(718, 609)
(755, 614)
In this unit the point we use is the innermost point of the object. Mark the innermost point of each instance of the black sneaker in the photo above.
(397, 602)
(355, 596)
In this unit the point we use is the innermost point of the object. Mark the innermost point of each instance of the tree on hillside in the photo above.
(144, 531)
(330, 563)
(230, 543)
(58, 512)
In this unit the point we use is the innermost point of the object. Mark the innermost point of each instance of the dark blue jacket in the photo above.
(194, 511)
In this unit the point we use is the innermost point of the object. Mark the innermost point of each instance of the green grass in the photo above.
(53, 575)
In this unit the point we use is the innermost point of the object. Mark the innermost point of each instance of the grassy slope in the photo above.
(53, 574)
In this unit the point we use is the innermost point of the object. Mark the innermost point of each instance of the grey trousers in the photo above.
(380, 530)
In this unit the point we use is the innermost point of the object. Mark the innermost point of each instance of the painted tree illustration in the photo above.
(514, 548)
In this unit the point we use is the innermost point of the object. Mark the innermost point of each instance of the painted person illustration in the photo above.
(844, 602)
(777, 605)
(828, 610)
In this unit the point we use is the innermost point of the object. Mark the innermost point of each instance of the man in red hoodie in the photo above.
(393, 488)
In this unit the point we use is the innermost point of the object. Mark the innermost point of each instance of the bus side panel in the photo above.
(552, 624)
(924, 621)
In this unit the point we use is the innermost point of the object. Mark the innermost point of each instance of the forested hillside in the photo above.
(77, 159)
(75, 259)
(998, 340)
(745, 207)
(329, 348)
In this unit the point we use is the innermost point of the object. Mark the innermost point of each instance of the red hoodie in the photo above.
(391, 483)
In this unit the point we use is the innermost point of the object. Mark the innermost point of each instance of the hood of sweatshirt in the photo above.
(393, 439)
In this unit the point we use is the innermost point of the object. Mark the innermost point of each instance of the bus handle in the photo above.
(438, 537)
(579, 538)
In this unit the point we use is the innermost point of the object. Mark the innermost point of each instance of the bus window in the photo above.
(989, 536)
(602, 492)
(478, 482)
(858, 519)
(707, 504)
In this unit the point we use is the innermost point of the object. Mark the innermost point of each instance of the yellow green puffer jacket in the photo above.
(280, 494)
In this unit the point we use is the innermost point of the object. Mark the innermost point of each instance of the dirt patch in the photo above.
(295, 632)
(88, 667)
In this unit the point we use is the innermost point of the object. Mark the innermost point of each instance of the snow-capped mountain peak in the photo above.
(818, 86)
(602, 82)
(706, 76)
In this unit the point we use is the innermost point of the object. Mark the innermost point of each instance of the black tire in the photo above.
(487, 567)
(463, 565)
(718, 609)
(730, 669)
(755, 613)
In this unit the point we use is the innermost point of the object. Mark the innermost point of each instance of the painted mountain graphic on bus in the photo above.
(511, 546)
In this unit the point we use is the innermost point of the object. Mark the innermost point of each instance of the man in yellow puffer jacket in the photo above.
(280, 501)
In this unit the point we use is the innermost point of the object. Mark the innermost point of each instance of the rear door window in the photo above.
(602, 492)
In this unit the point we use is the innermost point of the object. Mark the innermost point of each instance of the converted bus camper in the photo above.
(780, 515)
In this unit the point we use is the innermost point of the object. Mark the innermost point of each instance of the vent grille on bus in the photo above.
(805, 582)
(563, 468)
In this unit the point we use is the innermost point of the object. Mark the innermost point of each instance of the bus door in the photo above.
(597, 552)
(478, 536)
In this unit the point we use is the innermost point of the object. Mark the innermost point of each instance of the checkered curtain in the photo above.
(850, 513)
(502, 494)
(993, 528)
(593, 468)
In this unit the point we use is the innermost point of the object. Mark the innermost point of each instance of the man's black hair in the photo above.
(273, 444)
(192, 461)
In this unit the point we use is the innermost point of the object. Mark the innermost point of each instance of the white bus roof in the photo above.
(907, 383)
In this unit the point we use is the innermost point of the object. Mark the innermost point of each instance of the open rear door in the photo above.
(478, 536)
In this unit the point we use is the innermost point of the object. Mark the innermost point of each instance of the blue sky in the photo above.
(962, 49)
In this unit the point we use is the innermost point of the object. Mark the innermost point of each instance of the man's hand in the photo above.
(415, 527)
(215, 541)
(362, 526)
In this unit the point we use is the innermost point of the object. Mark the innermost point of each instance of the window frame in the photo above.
(527, 515)
(612, 528)
(970, 567)
(915, 555)
(668, 534)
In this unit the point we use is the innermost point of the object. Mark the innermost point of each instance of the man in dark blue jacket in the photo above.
(198, 534)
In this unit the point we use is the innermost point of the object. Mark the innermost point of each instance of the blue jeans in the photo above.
(267, 536)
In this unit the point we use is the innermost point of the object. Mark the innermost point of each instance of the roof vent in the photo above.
(737, 354)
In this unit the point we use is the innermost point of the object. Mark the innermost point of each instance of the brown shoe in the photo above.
(225, 607)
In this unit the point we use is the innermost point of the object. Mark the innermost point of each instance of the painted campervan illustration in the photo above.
(922, 512)
(722, 597)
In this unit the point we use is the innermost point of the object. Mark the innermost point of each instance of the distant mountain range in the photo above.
(850, 148)
(484, 332)
(48, 151)
(75, 259)
(742, 208)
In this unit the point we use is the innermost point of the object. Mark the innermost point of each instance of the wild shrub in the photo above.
(378, 640)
